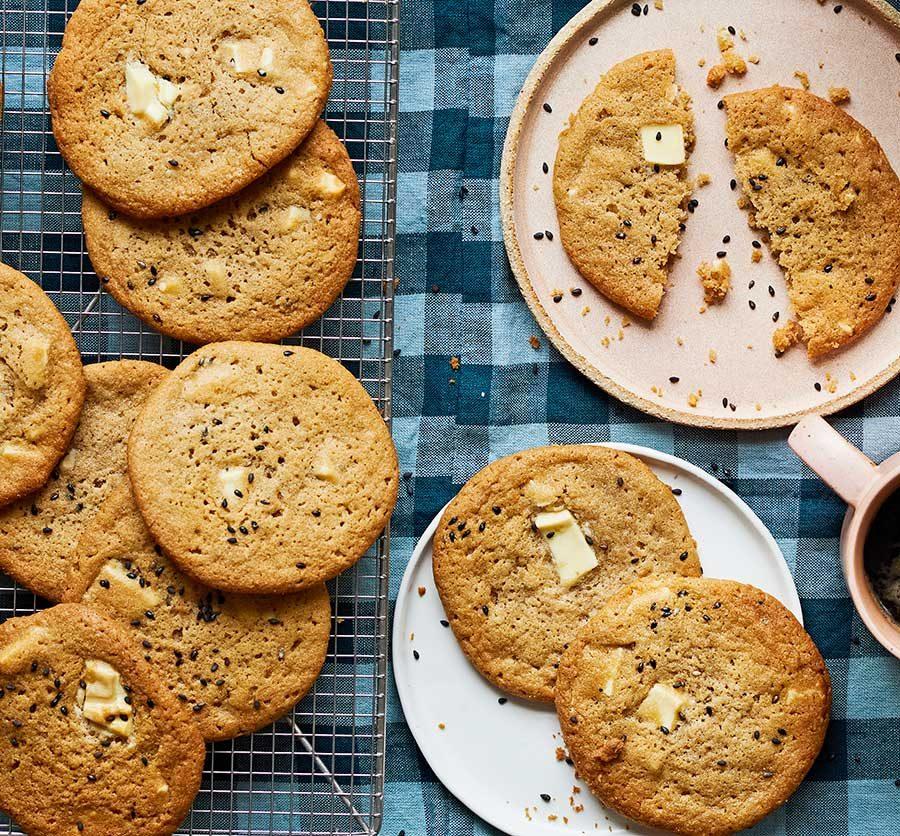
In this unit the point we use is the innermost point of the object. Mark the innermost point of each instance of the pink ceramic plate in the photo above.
(726, 353)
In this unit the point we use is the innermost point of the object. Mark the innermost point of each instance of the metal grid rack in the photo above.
(321, 769)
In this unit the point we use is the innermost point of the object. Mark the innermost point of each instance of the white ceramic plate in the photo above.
(855, 48)
(499, 759)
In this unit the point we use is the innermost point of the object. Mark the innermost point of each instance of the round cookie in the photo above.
(500, 554)
(92, 740)
(261, 468)
(165, 106)
(38, 533)
(695, 705)
(239, 661)
(41, 385)
(621, 213)
(256, 266)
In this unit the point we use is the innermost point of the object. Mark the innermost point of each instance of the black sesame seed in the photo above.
(545, 168)
(173, 163)
(782, 732)
(663, 729)
(636, 9)
(279, 90)
(538, 236)
(104, 583)
(557, 297)
(576, 292)
(549, 234)
(677, 491)
(683, 556)
(485, 609)
(721, 254)
(502, 700)
(756, 735)
(621, 235)
(775, 316)
(709, 711)
(545, 798)
(636, 260)
(104, 113)
(733, 185)
(725, 403)
(871, 297)
(829, 268)
(721, 763)
(674, 379)
(496, 509)
(775, 699)
(547, 108)
(756, 245)
(592, 41)
(444, 622)
(781, 161)
(752, 305)
(231, 541)
(838, 9)
(817, 386)
(659, 136)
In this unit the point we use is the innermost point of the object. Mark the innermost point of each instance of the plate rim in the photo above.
(508, 162)
(404, 595)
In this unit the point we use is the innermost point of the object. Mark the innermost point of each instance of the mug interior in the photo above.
(872, 611)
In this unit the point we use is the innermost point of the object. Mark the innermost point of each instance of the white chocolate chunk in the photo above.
(233, 483)
(149, 97)
(294, 216)
(247, 58)
(103, 700)
(323, 467)
(139, 598)
(12, 451)
(661, 706)
(216, 276)
(330, 185)
(35, 359)
(573, 557)
(18, 651)
(208, 381)
(67, 465)
(170, 285)
(267, 61)
(541, 494)
(643, 601)
(663, 144)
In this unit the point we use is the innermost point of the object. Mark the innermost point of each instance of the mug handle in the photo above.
(844, 468)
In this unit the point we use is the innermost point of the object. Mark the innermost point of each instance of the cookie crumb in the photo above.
(787, 336)
(803, 78)
(560, 753)
(701, 63)
(658, 5)
(422, 591)
(716, 280)
(694, 399)
(713, 356)
(703, 179)
(756, 256)
(839, 95)
(534, 342)
(585, 310)
(454, 363)
(753, 59)
(734, 63)
(716, 76)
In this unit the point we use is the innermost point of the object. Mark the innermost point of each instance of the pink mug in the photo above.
(864, 486)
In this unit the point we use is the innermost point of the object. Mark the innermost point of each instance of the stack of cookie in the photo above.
(217, 204)
(183, 522)
(568, 574)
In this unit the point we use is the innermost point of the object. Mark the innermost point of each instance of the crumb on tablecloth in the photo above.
(454, 363)
(716, 280)
(694, 398)
(703, 179)
(756, 256)
(713, 356)
(534, 342)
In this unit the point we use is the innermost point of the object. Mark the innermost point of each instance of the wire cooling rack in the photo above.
(321, 769)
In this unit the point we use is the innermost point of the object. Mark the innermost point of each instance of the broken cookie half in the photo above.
(620, 180)
(819, 186)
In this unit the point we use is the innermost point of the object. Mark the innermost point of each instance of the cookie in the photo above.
(238, 661)
(691, 704)
(41, 386)
(820, 188)
(93, 742)
(261, 468)
(38, 533)
(535, 543)
(256, 266)
(620, 181)
(166, 106)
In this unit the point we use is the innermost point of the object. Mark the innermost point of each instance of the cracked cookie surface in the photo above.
(167, 106)
(510, 608)
(257, 266)
(692, 704)
(41, 386)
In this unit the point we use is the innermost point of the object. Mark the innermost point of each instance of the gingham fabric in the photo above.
(462, 65)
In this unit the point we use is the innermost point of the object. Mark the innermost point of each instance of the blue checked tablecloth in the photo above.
(462, 65)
